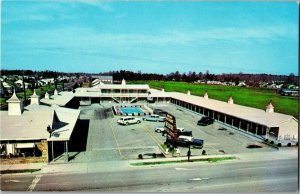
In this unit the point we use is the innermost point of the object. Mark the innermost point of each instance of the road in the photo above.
(230, 176)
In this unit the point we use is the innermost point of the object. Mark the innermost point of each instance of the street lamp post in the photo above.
(189, 152)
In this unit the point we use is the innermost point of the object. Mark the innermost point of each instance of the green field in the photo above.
(252, 97)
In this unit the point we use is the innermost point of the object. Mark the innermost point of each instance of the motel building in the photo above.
(119, 93)
(42, 131)
(267, 125)
(275, 128)
(35, 133)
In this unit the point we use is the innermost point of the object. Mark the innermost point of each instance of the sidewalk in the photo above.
(109, 166)
(15, 168)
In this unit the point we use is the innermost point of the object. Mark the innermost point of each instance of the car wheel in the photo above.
(127, 123)
(138, 121)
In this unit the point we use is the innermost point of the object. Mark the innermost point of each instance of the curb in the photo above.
(182, 160)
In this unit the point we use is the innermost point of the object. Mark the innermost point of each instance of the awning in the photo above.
(25, 145)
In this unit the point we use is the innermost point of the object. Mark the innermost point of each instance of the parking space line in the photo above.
(123, 148)
(116, 140)
(34, 182)
(152, 137)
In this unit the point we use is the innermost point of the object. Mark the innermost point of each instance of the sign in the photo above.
(170, 126)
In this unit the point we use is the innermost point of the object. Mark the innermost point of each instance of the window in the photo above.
(287, 137)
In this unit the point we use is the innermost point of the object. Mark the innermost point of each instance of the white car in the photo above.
(159, 129)
(185, 138)
(180, 129)
(128, 120)
(155, 118)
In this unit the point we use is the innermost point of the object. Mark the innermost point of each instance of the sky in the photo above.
(152, 37)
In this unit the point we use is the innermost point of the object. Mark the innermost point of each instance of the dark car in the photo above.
(205, 121)
(160, 112)
(195, 143)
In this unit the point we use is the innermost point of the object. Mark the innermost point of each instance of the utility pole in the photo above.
(189, 152)
(23, 83)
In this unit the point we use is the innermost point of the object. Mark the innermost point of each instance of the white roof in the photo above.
(124, 87)
(158, 93)
(246, 113)
(34, 95)
(61, 99)
(6, 85)
(33, 123)
(13, 98)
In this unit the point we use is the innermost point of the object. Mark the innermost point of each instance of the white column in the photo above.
(66, 152)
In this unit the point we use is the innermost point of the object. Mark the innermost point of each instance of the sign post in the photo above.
(171, 129)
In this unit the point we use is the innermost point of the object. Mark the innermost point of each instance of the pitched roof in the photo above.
(14, 98)
(246, 113)
(33, 123)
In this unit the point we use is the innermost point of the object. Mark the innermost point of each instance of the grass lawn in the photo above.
(252, 97)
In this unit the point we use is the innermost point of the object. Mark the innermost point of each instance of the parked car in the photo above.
(128, 120)
(160, 129)
(160, 112)
(180, 129)
(185, 138)
(155, 118)
(205, 121)
(195, 143)
(185, 133)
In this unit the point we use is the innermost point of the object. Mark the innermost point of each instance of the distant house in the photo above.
(41, 83)
(289, 92)
(48, 80)
(6, 87)
(102, 80)
(242, 84)
(20, 84)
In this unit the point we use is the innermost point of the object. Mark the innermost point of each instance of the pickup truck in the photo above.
(195, 143)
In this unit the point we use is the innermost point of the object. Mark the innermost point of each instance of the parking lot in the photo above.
(107, 140)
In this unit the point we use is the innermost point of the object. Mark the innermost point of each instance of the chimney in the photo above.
(230, 100)
(162, 90)
(15, 105)
(206, 95)
(35, 99)
(123, 82)
(47, 95)
(270, 108)
(188, 92)
(55, 92)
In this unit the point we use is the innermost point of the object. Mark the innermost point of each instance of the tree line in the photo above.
(191, 76)
(249, 79)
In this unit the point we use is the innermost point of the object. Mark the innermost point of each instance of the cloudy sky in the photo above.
(158, 37)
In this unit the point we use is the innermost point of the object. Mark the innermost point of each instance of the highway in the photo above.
(230, 176)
